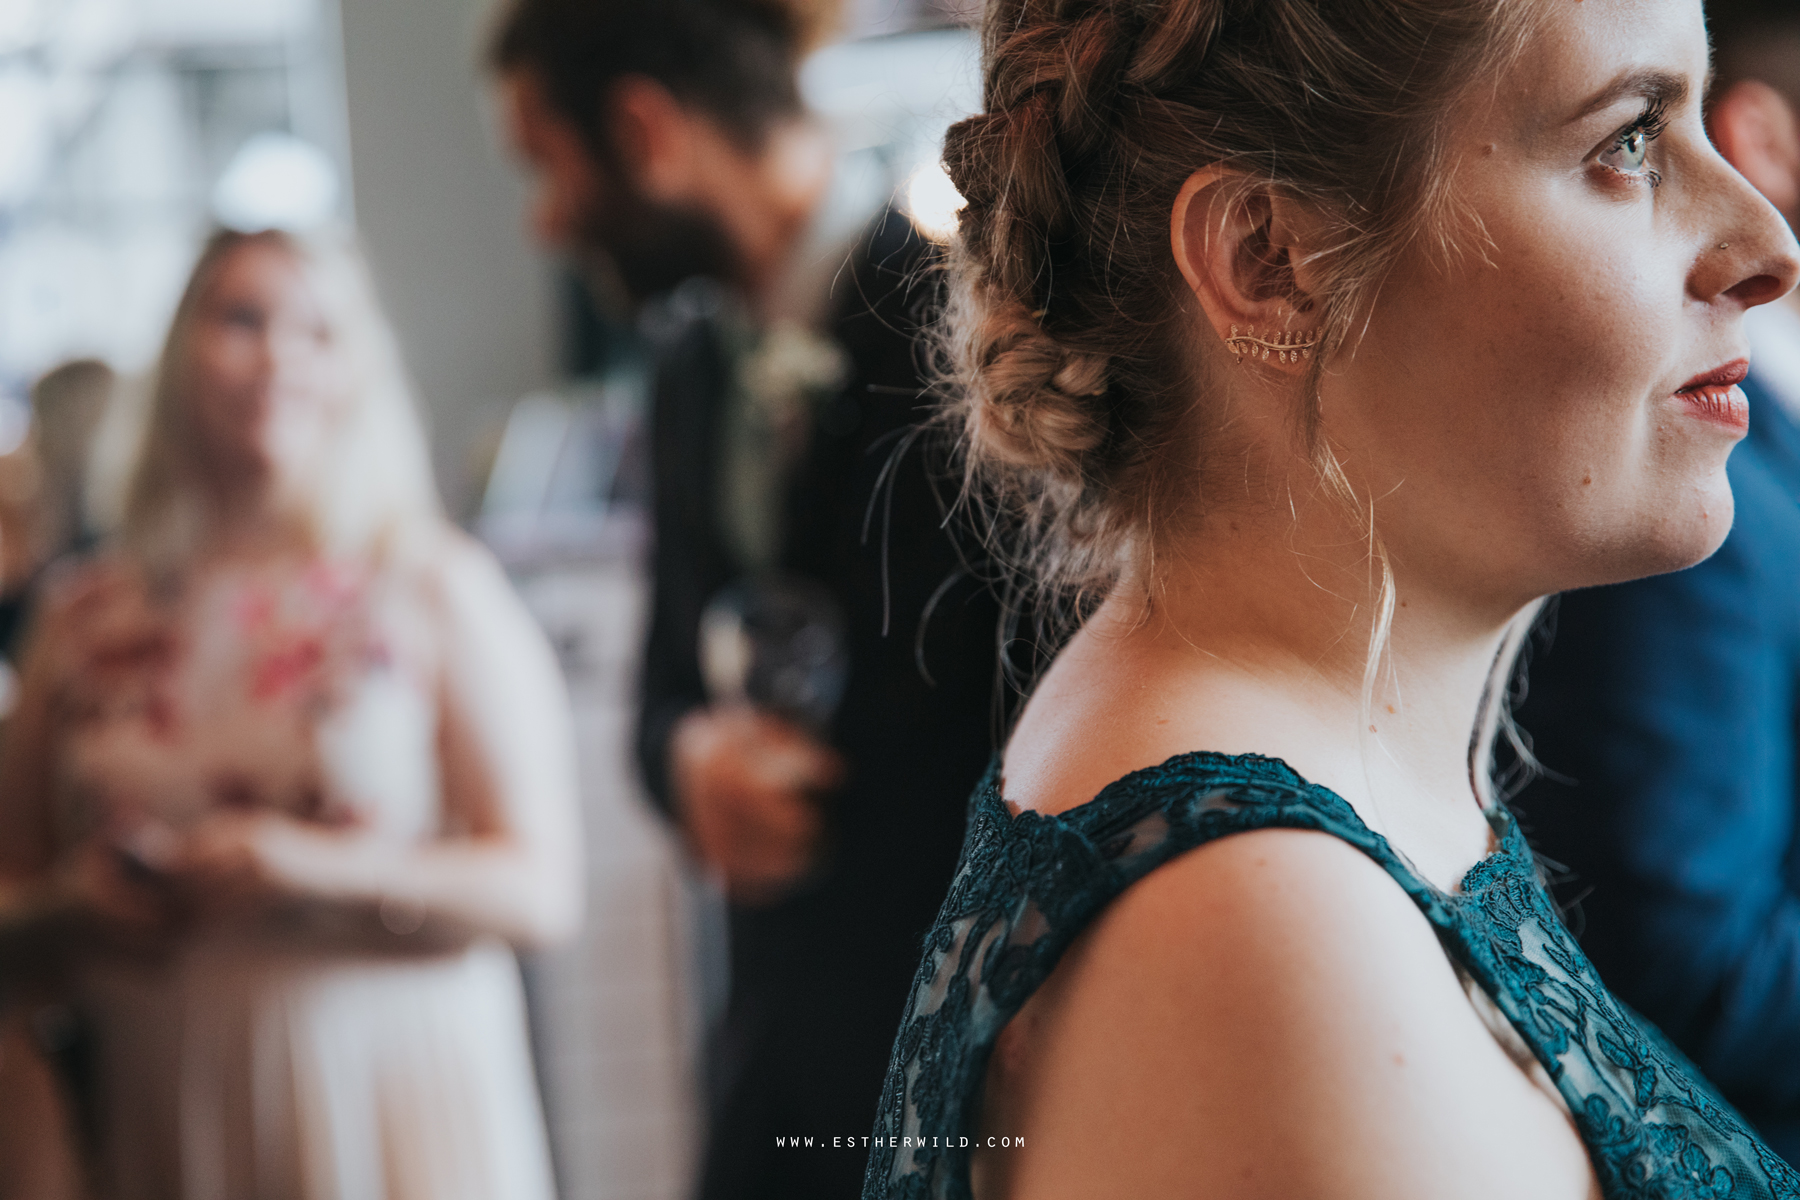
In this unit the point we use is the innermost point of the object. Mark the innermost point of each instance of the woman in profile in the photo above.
(299, 764)
(1304, 346)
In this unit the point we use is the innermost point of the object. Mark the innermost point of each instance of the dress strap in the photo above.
(1027, 886)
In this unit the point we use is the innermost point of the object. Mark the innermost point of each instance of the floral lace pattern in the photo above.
(1028, 885)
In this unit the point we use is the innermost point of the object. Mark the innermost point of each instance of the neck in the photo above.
(1288, 599)
(248, 519)
(1251, 627)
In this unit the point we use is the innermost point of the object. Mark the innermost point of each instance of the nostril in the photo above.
(1760, 289)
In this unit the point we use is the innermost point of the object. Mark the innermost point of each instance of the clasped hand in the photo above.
(138, 890)
(748, 791)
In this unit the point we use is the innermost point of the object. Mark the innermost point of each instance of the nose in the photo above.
(1752, 258)
(1774, 280)
(274, 355)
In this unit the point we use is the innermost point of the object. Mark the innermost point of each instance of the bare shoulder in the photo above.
(1276, 933)
(494, 651)
(1279, 907)
(1268, 1015)
(466, 584)
(457, 564)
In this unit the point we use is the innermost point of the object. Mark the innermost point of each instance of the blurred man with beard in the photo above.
(672, 157)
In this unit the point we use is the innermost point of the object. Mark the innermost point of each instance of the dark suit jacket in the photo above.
(1672, 704)
(818, 981)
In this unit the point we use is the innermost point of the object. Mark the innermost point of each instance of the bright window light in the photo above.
(19, 24)
(89, 35)
(933, 203)
(277, 181)
(24, 133)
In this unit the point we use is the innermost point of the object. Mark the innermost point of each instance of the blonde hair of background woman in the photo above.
(373, 497)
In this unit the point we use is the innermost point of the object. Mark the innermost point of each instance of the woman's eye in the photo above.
(1630, 155)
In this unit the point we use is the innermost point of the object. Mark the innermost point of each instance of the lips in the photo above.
(1715, 396)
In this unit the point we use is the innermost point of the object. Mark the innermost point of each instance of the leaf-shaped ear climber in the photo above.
(1288, 347)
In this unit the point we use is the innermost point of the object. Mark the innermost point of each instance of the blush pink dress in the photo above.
(305, 1053)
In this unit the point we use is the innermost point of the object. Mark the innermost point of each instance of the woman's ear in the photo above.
(1238, 248)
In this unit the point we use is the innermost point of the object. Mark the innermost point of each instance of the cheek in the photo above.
(1559, 360)
(314, 398)
(550, 223)
(226, 404)
(1609, 478)
(562, 195)
(318, 374)
(224, 361)
(1521, 411)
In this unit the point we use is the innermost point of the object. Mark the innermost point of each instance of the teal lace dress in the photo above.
(1028, 885)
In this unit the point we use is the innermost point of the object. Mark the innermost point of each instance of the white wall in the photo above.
(440, 213)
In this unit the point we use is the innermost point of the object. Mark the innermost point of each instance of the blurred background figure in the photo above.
(40, 1152)
(673, 156)
(42, 518)
(66, 407)
(43, 483)
(128, 131)
(1667, 711)
(291, 767)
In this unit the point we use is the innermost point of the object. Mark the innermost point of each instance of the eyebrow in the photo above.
(1655, 84)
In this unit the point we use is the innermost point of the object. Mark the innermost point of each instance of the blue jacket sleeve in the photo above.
(1669, 704)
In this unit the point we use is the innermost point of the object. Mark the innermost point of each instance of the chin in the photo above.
(1707, 525)
(1677, 540)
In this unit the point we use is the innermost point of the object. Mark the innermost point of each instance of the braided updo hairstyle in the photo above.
(1074, 389)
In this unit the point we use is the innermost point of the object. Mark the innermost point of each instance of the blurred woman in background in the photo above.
(42, 502)
(296, 759)
(67, 406)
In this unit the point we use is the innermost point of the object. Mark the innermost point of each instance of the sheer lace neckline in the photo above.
(1097, 812)
(1029, 884)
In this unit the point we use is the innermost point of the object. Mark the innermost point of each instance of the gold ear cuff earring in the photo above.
(1286, 346)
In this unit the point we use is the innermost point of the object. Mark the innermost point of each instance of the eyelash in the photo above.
(1650, 123)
